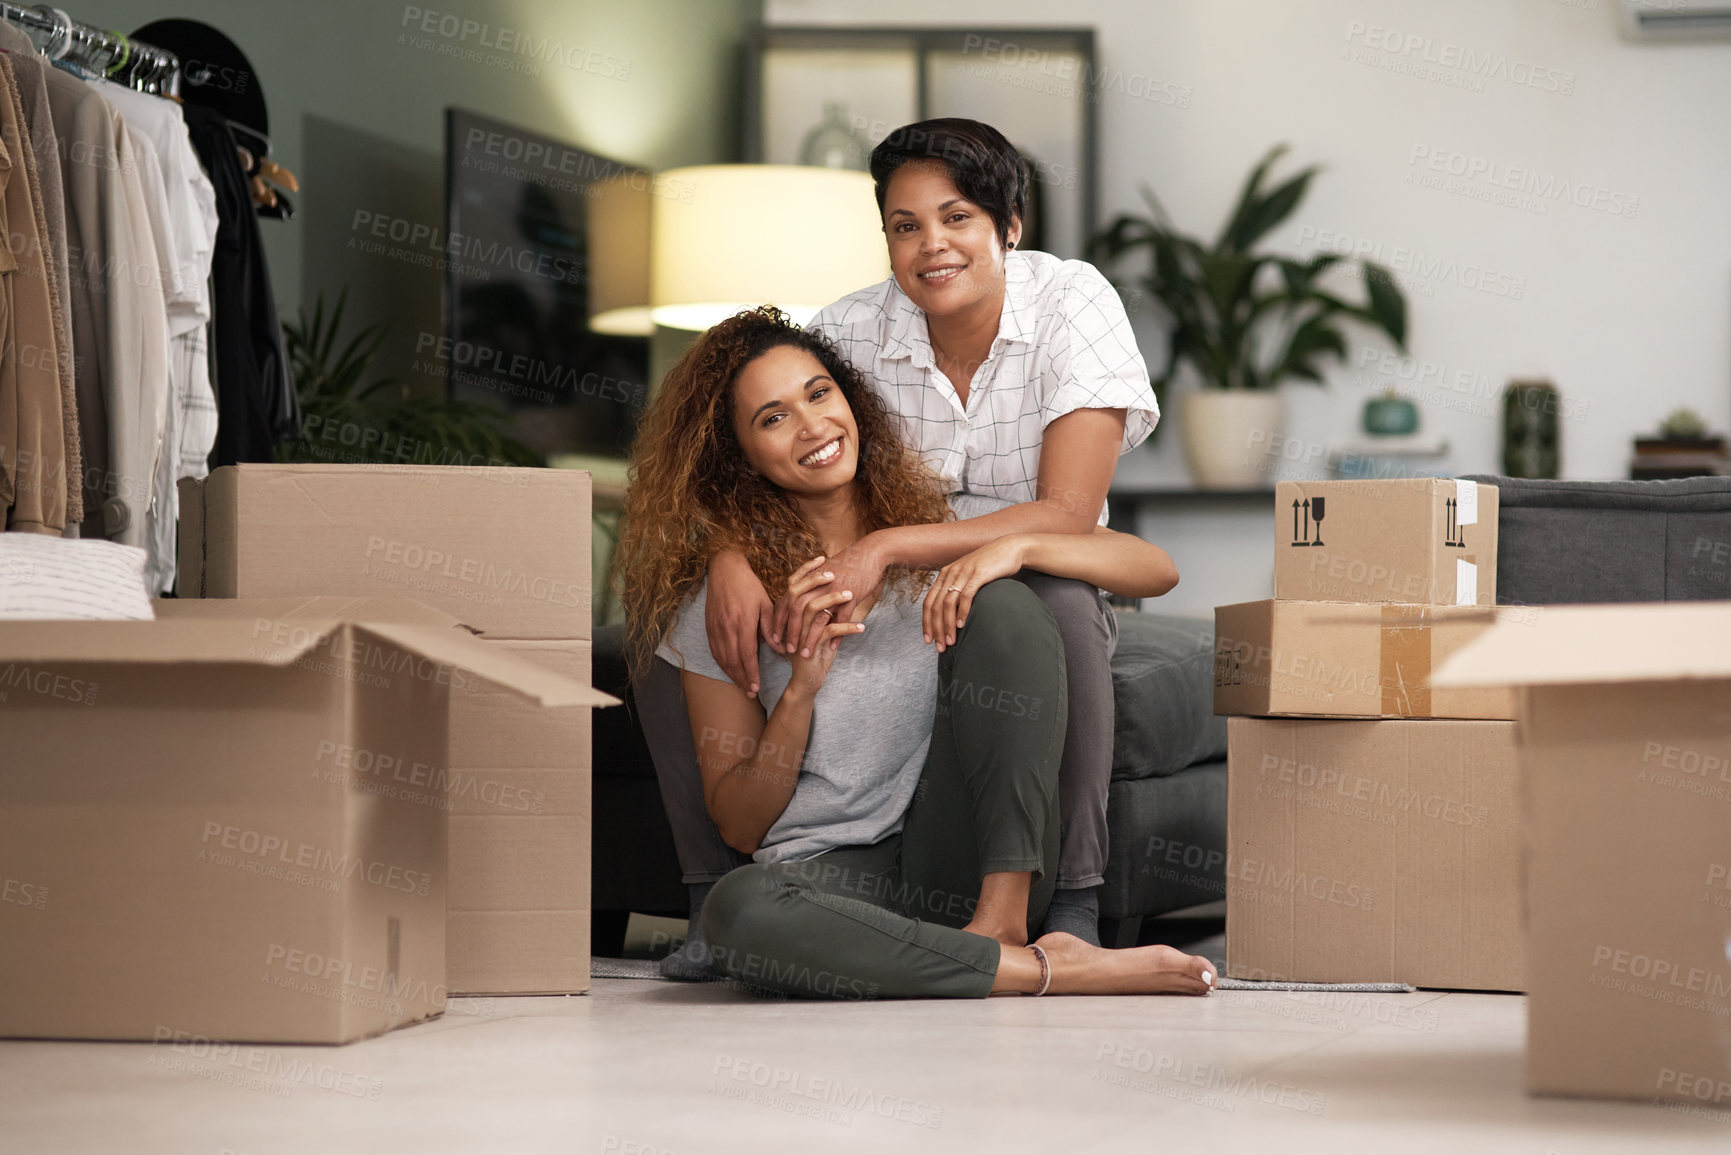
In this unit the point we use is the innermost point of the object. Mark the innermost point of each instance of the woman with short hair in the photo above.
(1016, 376)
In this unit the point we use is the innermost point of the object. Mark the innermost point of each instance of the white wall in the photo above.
(1629, 314)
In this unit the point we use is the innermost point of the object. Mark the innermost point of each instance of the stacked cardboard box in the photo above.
(1626, 800)
(221, 825)
(506, 551)
(1371, 825)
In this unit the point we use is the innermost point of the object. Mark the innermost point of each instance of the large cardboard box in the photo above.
(1348, 659)
(1373, 850)
(1424, 540)
(519, 902)
(1626, 793)
(197, 864)
(506, 550)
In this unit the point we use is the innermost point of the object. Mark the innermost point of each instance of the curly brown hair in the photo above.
(693, 494)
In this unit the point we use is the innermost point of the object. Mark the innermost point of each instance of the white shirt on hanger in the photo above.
(182, 207)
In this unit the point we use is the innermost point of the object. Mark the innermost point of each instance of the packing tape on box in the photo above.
(1466, 582)
(1466, 502)
(1404, 657)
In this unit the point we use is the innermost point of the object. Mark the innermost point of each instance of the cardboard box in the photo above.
(195, 864)
(1373, 851)
(1415, 540)
(1626, 793)
(519, 902)
(515, 783)
(1348, 659)
(505, 550)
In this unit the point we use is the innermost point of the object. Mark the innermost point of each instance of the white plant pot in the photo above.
(1232, 437)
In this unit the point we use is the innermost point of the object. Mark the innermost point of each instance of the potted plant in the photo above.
(345, 418)
(1244, 321)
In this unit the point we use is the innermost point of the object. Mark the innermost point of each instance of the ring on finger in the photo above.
(955, 589)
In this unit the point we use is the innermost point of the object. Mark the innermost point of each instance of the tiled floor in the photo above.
(653, 1067)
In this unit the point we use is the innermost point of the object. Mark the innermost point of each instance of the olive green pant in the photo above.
(882, 921)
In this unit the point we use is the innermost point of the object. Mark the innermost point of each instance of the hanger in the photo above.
(268, 180)
(125, 57)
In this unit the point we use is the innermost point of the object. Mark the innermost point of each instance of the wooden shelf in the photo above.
(1170, 493)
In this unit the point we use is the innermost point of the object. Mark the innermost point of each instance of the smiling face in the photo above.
(795, 426)
(944, 249)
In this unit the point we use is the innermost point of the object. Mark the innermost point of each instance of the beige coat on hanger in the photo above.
(32, 437)
(27, 70)
(119, 318)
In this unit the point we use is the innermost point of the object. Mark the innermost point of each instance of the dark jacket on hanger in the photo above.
(255, 397)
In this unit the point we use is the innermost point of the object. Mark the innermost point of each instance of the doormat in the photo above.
(624, 968)
(1226, 984)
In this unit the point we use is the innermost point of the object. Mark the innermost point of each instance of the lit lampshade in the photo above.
(619, 256)
(730, 237)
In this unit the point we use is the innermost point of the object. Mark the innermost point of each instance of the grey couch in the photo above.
(1166, 811)
(1612, 541)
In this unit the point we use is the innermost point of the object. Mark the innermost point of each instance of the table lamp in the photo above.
(731, 237)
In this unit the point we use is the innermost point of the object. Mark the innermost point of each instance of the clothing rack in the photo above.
(115, 56)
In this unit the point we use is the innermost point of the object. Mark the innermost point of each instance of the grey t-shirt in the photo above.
(871, 724)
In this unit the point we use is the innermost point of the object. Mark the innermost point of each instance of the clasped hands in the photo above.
(822, 592)
(825, 592)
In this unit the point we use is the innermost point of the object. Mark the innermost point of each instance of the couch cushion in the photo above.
(1613, 541)
(1168, 840)
(618, 743)
(1163, 688)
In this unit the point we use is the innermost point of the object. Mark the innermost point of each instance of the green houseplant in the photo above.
(347, 418)
(1243, 321)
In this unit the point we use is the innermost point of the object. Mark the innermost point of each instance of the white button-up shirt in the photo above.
(1063, 344)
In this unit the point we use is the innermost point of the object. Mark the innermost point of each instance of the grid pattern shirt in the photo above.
(1063, 344)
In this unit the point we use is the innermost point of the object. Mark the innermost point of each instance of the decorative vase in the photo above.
(1232, 437)
(1531, 439)
(1390, 415)
(832, 144)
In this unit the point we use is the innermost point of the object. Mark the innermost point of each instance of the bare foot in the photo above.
(1010, 934)
(1080, 969)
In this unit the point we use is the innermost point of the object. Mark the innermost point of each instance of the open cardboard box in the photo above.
(1625, 756)
(195, 869)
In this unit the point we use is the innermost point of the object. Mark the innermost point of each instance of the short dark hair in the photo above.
(985, 166)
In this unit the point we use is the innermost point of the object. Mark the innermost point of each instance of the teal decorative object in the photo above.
(1390, 415)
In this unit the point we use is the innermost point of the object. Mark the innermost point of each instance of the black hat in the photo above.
(213, 71)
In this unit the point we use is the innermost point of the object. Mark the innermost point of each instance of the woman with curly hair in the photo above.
(899, 805)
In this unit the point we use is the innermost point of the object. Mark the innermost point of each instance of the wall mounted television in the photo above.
(518, 278)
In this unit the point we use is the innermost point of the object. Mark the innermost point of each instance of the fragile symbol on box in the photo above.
(1312, 508)
(1228, 669)
(1456, 536)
